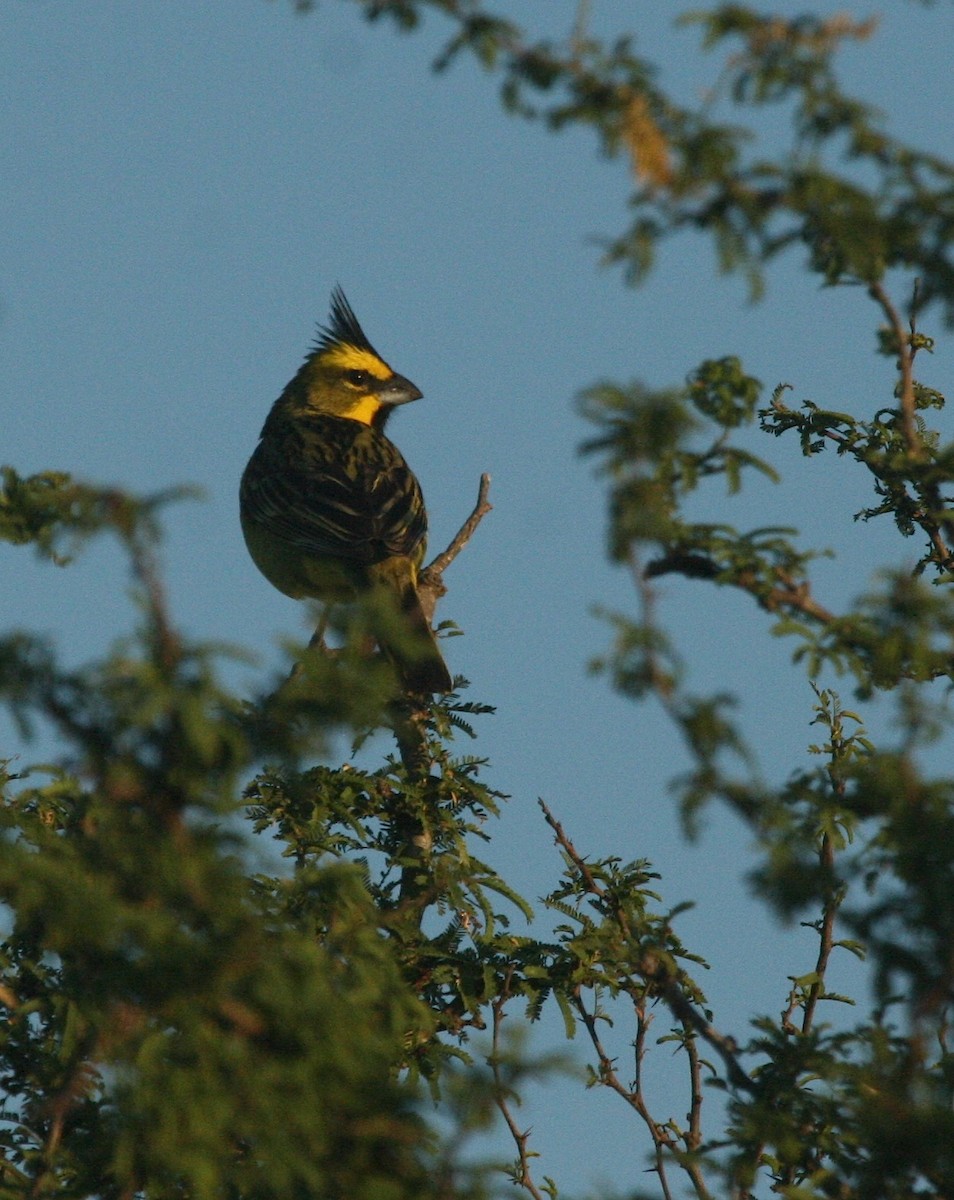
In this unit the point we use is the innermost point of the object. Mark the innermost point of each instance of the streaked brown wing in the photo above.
(328, 489)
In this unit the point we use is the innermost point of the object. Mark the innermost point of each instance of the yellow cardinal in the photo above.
(330, 509)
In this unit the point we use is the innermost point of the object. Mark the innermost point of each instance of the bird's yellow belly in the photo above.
(297, 574)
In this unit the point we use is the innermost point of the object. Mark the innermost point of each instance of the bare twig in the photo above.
(430, 578)
(520, 1137)
(826, 935)
(562, 840)
(909, 425)
(635, 1098)
(693, 1138)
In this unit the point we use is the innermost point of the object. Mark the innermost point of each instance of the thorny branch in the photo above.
(826, 935)
(936, 529)
(521, 1138)
(826, 926)
(909, 425)
(693, 1138)
(655, 972)
(788, 594)
(430, 583)
(662, 1140)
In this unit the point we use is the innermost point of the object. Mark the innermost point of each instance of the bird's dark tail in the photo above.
(411, 644)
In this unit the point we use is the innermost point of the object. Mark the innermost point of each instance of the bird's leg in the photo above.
(317, 639)
(315, 642)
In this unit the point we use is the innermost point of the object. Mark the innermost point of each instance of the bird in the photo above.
(329, 508)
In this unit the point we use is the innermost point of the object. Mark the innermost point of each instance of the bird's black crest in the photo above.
(342, 327)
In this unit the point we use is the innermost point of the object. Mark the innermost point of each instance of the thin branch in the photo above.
(694, 1136)
(435, 569)
(690, 1019)
(797, 596)
(521, 1138)
(724, 1045)
(561, 838)
(909, 424)
(826, 935)
(634, 1098)
(789, 595)
(693, 1139)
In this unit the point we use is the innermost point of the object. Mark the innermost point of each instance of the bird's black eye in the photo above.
(358, 378)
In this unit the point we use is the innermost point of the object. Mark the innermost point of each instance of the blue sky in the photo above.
(184, 184)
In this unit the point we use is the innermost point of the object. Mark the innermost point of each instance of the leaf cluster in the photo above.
(174, 1026)
(859, 200)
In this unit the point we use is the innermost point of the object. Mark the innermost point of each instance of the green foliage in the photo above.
(174, 1027)
(859, 200)
(866, 840)
(55, 513)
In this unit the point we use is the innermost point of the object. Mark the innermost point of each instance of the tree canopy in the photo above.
(185, 1015)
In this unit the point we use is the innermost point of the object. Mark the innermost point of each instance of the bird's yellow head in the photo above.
(345, 376)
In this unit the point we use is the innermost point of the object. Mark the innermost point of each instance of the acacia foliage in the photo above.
(179, 1021)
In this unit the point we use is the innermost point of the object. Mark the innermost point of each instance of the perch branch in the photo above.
(435, 569)
(409, 715)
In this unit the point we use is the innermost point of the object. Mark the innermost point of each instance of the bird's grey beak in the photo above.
(398, 390)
